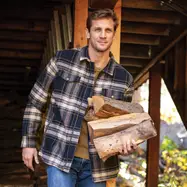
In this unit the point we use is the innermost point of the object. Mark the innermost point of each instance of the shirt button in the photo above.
(112, 96)
(67, 78)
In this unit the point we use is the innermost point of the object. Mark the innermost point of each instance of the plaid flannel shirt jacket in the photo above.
(70, 76)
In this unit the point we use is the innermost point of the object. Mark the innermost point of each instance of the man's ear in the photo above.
(87, 34)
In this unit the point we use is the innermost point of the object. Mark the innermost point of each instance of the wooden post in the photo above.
(153, 144)
(57, 30)
(81, 14)
(185, 97)
(115, 49)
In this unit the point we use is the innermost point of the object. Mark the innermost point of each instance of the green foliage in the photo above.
(168, 144)
(175, 171)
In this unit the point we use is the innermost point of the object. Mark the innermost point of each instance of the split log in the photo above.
(104, 107)
(108, 134)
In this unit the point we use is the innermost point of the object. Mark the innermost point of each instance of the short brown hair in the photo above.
(102, 13)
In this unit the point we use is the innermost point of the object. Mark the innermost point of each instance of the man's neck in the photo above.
(100, 59)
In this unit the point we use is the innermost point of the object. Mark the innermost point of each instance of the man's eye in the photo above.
(108, 30)
(97, 29)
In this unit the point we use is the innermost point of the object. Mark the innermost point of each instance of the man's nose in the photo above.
(103, 34)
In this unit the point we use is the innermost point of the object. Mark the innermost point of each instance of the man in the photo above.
(73, 76)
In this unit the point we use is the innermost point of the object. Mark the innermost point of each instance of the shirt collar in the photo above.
(109, 69)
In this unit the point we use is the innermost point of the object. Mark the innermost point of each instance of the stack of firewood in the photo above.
(111, 121)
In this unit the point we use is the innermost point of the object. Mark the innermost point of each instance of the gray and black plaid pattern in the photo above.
(70, 76)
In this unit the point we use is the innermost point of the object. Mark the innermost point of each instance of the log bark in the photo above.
(107, 134)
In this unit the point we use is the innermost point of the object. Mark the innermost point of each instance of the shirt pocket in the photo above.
(114, 94)
(65, 81)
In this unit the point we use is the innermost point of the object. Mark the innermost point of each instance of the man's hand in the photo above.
(128, 146)
(27, 157)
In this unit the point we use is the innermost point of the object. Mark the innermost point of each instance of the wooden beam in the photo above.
(159, 56)
(153, 144)
(140, 39)
(23, 25)
(135, 51)
(95, 4)
(30, 46)
(19, 54)
(23, 13)
(23, 36)
(145, 28)
(133, 62)
(146, 4)
(81, 14)
(146, 16)
(20, 62)
(115, 48)
(57, 30)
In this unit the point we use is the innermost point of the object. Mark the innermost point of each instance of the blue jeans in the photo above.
(80, 175)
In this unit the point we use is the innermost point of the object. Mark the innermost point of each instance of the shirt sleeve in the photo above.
(37, 100)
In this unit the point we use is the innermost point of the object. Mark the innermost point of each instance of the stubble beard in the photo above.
(103, 50)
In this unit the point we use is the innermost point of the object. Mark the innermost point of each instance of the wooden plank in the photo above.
(51, 43)
(20, 62)
(23, 25)
(46, 57)
(14, 179)
(132, 70)
(133, 62)
(140, 39)
(49, 50)
(14, 83)
(69, 22)
(115, 48)
(146, 16)
(35, 46)
(16, 76)
(145, 28)
(153, 144)
(65, 30)
(57, 30)
(102, 4)
(19, 54)
(23, 36)
(185, 87)
(53, 37)
(81, 14)
(25, 12)
(159, 56)
(21, 89)
(135, 51)
(146, 4)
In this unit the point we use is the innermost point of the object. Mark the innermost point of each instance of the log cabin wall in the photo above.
(30, 34)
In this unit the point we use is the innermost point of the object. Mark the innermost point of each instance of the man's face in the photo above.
(101, 34)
